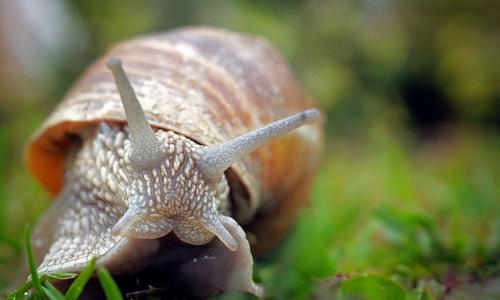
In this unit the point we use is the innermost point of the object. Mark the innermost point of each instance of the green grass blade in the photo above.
(108, 284)
(19, 294)
(51, 291)
(31, 262)
(13, 296)
(81, 280)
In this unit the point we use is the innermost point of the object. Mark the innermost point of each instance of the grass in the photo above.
(392, 216)
(389, 219)
(390, 213)
(425, 218)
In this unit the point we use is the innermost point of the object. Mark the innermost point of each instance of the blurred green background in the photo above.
(410, 185)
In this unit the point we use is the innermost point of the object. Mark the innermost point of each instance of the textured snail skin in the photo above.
(86, 212)
(134, 195)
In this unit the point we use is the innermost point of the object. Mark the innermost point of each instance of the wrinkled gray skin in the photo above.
(148, 205)
(86, 213)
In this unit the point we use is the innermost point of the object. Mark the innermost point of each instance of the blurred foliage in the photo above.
(410, 187)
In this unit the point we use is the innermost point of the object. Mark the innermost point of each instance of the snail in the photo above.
(162, 167)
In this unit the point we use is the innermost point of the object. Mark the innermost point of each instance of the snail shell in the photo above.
(199, 89)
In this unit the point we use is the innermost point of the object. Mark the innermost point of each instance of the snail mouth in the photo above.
(136, 224)
(168, 261)
(212, 266)
(200, 232)
(195, 226)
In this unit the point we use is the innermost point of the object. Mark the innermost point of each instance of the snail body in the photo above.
(164, 162)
